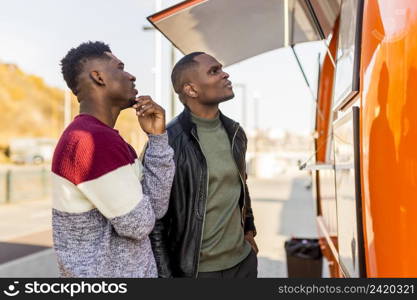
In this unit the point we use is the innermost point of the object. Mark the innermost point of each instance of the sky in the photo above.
(35, 35)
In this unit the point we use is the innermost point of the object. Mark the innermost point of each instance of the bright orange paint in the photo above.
(172, 10)
(389, 137)
(388, 127)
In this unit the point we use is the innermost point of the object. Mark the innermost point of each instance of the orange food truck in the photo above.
(364, 167)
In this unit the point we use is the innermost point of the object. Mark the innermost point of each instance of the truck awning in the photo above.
(234, 30)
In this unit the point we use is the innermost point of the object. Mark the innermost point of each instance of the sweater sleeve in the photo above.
(101, 167)
(118, 196)
(158, 173)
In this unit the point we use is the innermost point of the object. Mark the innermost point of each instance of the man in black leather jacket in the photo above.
(208, 231)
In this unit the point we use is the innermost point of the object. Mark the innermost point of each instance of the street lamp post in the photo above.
(244, 99)
(158, 66)
(158, 57)
(67, 107)
(256, 97)
(172, 92)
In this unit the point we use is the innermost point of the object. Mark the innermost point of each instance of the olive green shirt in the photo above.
(223, 245)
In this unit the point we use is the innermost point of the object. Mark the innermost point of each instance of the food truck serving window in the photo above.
(346, 84)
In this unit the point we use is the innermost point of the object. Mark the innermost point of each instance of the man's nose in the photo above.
(132, 78)
(225, 75)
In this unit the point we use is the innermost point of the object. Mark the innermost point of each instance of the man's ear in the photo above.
(190, 90)
(97, 77)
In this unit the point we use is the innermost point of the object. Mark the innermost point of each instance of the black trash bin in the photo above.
(304, 258)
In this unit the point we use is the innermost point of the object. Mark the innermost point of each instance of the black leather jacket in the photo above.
(176, 238)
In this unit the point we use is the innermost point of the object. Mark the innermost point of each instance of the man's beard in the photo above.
(131, 102)
(227, 98)
(128, 104)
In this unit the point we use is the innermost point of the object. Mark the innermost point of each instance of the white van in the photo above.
(32, 150)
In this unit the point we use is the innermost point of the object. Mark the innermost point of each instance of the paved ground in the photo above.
(24, 219)
(283, 208)
(26, 240)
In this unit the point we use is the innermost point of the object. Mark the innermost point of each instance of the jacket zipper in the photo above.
(241, 179)
(205, 206)
(207, 187)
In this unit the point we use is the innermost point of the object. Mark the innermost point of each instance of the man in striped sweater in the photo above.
(105, 202)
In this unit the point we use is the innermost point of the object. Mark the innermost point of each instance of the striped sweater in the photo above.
(105, 202)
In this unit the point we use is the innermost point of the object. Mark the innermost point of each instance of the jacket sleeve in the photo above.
(249, 218)
(159, 240)
(159, 237)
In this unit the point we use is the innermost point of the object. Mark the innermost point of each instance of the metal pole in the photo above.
(244, 104)
(256, 125)
(158, 56)
(256, 121)
(256, 98)
(8, 185)
(44, 175)
(173, 112)
(286, 24)
(67, 107)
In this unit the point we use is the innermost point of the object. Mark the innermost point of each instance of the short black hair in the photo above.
(180, 67)
(72, 63)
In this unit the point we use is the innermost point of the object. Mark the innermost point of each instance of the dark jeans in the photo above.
(247, 268)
